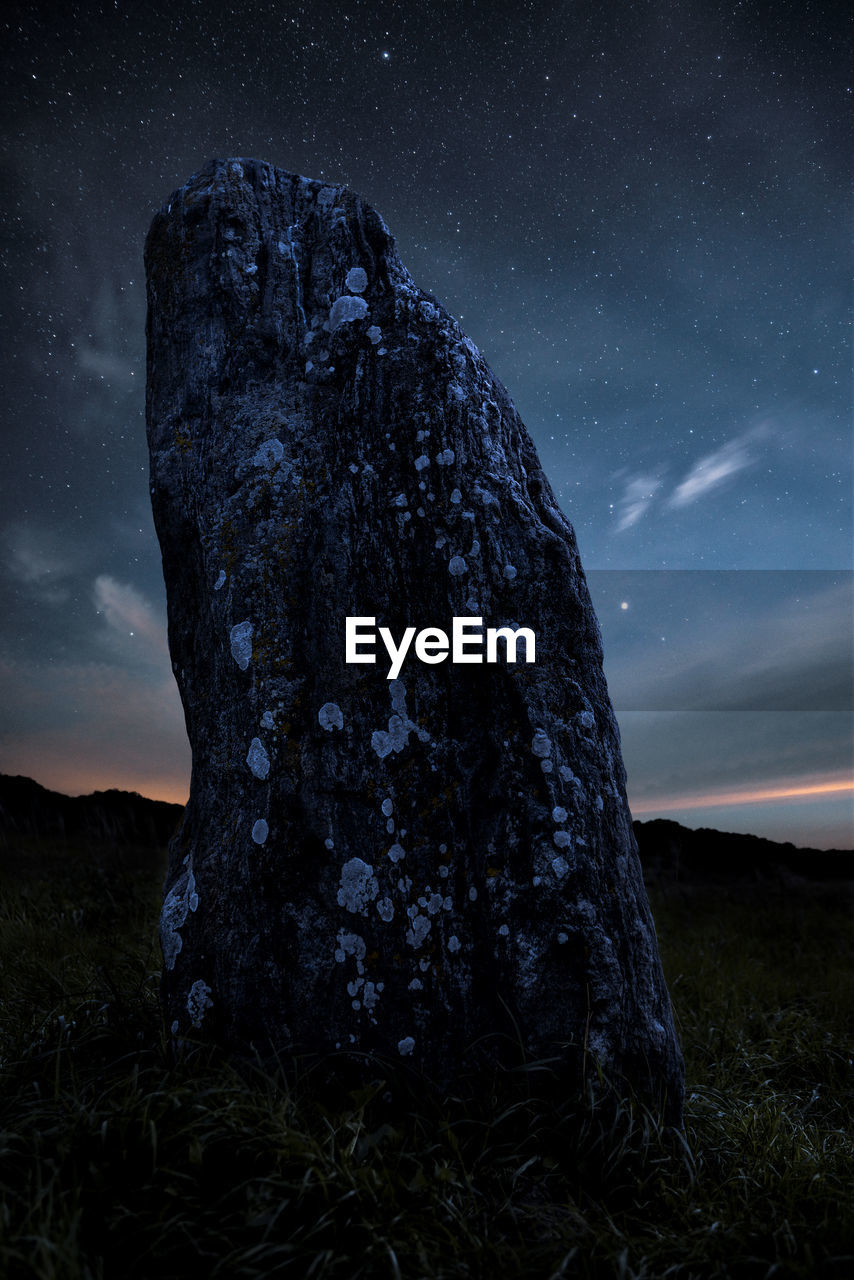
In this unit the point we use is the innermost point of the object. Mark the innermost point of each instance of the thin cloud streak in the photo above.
(638, 495)
(711, 471)
(786, 791)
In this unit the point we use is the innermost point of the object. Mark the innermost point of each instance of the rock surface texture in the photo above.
(406, 866)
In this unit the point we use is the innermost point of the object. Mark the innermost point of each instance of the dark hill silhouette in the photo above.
(670, 853)
(29, 811)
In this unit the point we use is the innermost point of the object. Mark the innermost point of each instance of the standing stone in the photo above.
(402, 866)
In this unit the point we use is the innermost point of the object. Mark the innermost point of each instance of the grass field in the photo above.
(116, 1161)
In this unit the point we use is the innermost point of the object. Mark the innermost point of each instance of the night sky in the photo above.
(640, 213)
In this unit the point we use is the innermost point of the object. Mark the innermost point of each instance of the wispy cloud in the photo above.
(644, 490)
(712, 471)
(34, 560)
(106, 364)
(129, 614)
(637, 496)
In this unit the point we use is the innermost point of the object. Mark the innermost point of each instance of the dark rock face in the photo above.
(399, 866)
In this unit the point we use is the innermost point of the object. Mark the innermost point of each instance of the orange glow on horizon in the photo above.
(171, 793)
(176, 793)
(82, 782)
(73, 780)
(723, 798)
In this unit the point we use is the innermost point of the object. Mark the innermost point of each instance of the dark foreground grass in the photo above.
(117, 1161)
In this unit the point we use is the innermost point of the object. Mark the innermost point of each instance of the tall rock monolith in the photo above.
(439, 866)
